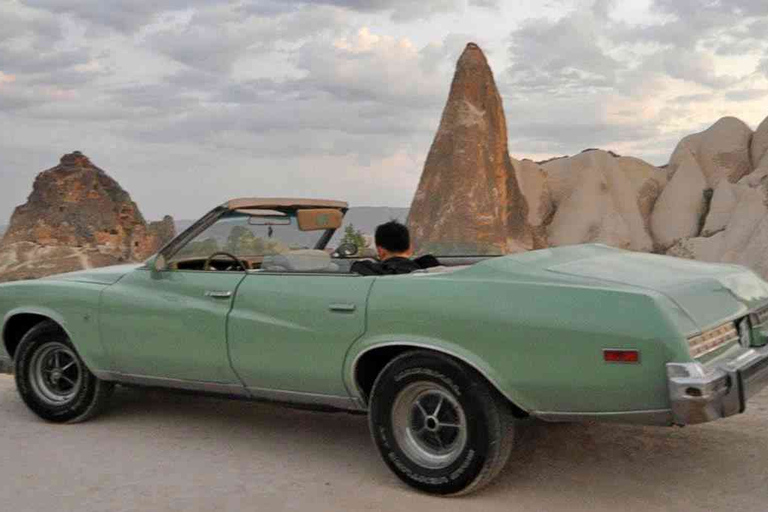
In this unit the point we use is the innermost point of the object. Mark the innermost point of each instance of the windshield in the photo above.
(248, 235)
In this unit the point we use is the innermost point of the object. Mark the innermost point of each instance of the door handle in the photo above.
(218, 294)
(342, 308)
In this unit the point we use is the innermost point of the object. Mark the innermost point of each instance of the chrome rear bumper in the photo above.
(699, 394)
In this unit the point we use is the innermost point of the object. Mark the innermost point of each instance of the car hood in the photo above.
(104, 275)
(709, 293)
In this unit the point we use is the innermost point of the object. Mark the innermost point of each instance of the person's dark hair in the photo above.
(393, 237)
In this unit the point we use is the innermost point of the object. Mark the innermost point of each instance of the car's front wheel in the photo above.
(438, 425)
(52, 379)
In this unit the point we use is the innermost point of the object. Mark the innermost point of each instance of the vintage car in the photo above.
(248, 303)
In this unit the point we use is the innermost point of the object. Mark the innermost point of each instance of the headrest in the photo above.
(303, 260)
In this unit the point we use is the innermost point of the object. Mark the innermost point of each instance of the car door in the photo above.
(289, 332)
(170, 324)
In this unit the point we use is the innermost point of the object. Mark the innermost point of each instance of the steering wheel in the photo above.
(208, 267)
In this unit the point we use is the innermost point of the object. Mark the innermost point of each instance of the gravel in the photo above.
(157, 451)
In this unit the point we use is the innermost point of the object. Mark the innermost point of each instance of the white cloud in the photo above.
(400, 10)
(596, 74)
(562, 54)
(762, 67)
(269, 94)
(486, 4)
(6, 79)
(124, 16)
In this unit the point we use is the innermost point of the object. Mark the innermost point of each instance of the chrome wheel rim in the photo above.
(56, 374)
(429, 425)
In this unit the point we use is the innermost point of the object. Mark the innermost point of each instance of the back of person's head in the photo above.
(393, 236)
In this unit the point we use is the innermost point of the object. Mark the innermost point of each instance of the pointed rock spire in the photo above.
(468, 200)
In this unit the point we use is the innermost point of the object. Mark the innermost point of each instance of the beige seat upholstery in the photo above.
(303, 260)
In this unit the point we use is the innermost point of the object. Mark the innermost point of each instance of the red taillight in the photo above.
(621, 356)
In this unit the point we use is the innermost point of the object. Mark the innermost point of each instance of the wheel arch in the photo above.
(370, 361)
(20, 322)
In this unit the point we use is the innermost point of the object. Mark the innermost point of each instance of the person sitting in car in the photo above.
(393, 246)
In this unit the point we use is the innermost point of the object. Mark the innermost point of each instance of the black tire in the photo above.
(432, 455)
(52, 379)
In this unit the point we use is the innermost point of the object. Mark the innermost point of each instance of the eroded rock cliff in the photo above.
(77, 217)
(708, 203)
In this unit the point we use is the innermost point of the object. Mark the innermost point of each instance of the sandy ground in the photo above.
(156, 451)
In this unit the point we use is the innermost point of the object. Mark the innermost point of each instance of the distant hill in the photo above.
(364, 218)
(2, 230)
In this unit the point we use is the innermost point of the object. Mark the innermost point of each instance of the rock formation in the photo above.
(469, 199)
(759, 146)
(708, 203)
(599, 197)
(77, 217)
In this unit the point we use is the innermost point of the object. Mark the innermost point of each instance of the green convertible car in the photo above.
(248, 303)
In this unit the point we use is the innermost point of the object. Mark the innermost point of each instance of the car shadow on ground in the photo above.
(708, 467)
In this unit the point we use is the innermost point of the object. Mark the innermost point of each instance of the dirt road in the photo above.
(156, 452)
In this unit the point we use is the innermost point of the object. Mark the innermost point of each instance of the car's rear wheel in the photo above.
(438, 425)
(53, 380)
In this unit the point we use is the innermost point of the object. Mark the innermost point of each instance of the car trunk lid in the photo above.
(709, 293)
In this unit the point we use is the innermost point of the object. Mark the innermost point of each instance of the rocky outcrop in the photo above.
(722, 151)
(534, 187)
(77, 217)
(735, 228)
(759, 147)
(708, 203)
(735, 225)
(677, 214)
(600, 197)
(469, 200)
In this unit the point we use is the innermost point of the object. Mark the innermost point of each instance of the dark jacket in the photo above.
(392, 266)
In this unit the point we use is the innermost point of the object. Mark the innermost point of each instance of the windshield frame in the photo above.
(188, 235)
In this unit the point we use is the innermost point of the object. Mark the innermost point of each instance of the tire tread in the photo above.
(101, 393)
(501, 418)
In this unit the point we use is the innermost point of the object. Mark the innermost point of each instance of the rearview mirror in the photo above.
(269, 221)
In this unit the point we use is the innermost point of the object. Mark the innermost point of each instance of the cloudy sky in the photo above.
(189, 102)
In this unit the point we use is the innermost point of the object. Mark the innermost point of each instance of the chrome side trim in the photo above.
(649, 417)
(189, 385)
(297, 397)
(359, 393)
(274, 395)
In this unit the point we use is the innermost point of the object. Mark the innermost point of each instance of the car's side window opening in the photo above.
(266, 240)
